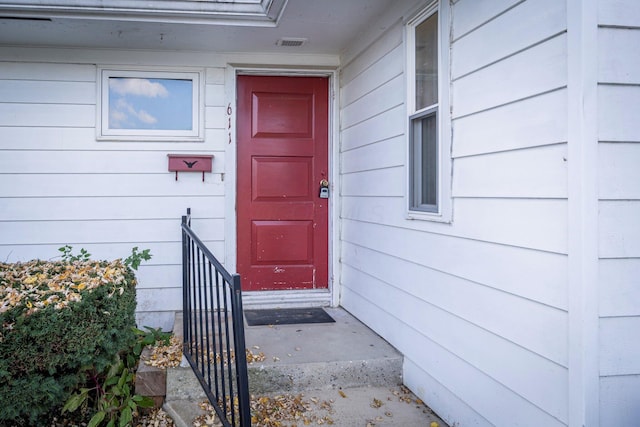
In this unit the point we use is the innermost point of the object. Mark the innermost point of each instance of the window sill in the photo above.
(429, 216)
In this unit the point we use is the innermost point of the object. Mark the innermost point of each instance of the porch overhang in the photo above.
(264, 13)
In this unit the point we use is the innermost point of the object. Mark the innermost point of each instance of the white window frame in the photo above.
(104, 132)
(442, 211)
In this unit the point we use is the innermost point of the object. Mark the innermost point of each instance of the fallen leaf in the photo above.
(342, 394)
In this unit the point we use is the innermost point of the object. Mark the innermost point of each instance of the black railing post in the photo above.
(210, 337)
(185, 282)
(242, 376)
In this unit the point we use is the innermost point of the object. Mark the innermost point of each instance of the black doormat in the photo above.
(287, 316)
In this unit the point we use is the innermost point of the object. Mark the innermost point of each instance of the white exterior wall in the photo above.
(478, 307)
(619, 211)
(59, 185)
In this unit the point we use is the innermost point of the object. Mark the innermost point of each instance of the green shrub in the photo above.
(59, 322)
(109, 396)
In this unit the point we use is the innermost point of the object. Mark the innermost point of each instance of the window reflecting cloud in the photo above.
(138, 103)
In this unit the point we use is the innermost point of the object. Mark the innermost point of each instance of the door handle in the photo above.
(324, 189)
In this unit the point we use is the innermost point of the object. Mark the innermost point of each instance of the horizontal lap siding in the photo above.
(537, 21)
(542, 331)
(530, 122)
(58, 185)
(509, 110)
(534, 71)
(538, 172)
(619, 193)
(518, 223)
(477, 307)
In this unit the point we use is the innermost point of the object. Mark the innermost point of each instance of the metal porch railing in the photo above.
(213, 329)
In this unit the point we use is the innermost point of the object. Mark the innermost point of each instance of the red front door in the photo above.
(282, 159)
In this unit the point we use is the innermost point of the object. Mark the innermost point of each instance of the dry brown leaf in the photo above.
(165, 356)
(280, 411)
(155, 418)
(253, 357)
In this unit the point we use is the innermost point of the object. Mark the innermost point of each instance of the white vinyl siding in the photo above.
(619, 211)
(60, 186)
(478, 307)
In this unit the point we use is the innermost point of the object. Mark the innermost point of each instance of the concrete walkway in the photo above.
(342, 373)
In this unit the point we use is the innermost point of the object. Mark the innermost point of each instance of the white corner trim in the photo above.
(583, 376)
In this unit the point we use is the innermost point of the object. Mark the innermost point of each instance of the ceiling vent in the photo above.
(291, 42)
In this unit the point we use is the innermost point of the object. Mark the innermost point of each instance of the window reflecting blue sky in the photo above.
(159, 104)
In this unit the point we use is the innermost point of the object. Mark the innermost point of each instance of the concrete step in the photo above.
(306, 357)
(321, 356)
(344, 363)
(355, 407)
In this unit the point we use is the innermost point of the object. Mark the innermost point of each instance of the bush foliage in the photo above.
(58, 322)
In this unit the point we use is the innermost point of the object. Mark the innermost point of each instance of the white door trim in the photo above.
(293, 298)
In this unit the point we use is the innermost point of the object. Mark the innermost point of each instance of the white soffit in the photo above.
(221, 12)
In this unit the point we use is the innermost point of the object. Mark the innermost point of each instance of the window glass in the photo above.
(426, 73)
(150, 103)
(425, 162)
(429, 147)
(424, 121)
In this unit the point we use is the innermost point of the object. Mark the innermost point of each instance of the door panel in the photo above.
(272, 113)
(283, 241)
(282, 157)
(281, 178)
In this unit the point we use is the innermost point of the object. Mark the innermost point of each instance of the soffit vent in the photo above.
(291, 42)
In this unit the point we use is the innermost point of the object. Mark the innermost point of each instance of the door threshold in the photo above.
(286, 299)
